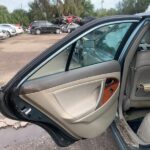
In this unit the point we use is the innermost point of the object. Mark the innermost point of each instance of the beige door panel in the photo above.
(75, 105)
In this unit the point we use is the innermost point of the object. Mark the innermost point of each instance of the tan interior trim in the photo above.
(72, 105)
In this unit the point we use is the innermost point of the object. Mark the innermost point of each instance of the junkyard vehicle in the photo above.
(11, 31)
(3, 34)
(19, 28)
(67, 28)
(39, 27)
(95, 77)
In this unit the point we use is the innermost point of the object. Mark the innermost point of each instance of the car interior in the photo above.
(136, 105)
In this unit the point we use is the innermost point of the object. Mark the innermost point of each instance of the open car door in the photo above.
(71, 90)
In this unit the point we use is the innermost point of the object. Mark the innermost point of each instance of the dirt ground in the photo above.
(14, 54)
(18, 51)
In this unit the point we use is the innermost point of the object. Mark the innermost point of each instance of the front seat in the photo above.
(144, 129)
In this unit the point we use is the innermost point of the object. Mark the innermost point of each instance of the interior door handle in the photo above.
(100, 96)
(146, 87)
(108, 87)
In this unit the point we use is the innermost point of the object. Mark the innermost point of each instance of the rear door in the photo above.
(50, 27)
(71, 90)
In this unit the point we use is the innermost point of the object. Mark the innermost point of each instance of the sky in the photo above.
(14, 4)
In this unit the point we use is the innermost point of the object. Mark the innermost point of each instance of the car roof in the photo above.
(143, 15)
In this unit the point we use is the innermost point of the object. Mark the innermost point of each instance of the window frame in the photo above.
(74, 42)
(123, 41)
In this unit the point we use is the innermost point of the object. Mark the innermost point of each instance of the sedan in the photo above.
(3, 34)
(96, 77)
(11, 31)
(42, 26)
(67, 28)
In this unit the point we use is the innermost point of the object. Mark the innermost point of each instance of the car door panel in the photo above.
(74, 100)
(140, 97)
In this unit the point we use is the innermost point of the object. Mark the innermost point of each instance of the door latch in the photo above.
(26, 111)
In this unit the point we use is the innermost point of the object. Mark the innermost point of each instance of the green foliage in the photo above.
(132, 6)
(20, 16)
(4, 14)
(46, 9)
(50, 9)
(106, 12)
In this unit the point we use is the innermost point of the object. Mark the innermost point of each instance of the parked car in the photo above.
(87, 20)
(93, 78)
(3, 34)
(16, 27)
(67, 28)
(19, 28)
(39, 27)
(11, 31)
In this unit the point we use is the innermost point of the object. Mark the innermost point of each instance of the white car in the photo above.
(19, 29)
(11, 31)
(3, 34)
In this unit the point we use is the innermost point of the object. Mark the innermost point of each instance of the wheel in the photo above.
(38, 31)
(8, 34)
(58, 31)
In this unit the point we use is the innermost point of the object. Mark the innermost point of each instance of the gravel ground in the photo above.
(14, 54)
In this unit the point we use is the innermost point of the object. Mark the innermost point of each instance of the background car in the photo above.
(19, 28)
(67, 28)
(3, 34)
(11, 31)
(39, 27)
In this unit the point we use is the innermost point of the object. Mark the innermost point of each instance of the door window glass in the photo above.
(56, 65)
(99, 46)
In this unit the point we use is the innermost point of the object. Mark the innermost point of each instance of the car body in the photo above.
(3, 34)
(11, 31)
(38, 27)
(67, 28)
(19, 29)
(87, 20)
(93, 78)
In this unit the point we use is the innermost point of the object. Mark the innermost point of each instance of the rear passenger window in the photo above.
(99, 46)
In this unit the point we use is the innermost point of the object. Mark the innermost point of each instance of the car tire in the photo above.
(37, 31)
(8, 34)
(58, 31)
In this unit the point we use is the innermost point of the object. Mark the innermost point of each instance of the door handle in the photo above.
(108, 87)
(100, 96)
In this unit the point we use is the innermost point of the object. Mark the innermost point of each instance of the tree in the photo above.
(106, 12)
(38, 10)
(20, 16)
(47, 9)
(132, 6)
(79, 8)
(4, 14)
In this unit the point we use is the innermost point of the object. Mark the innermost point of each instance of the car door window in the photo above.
(56, 65)
(49, 24)
(99, 46)
(95, 47)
